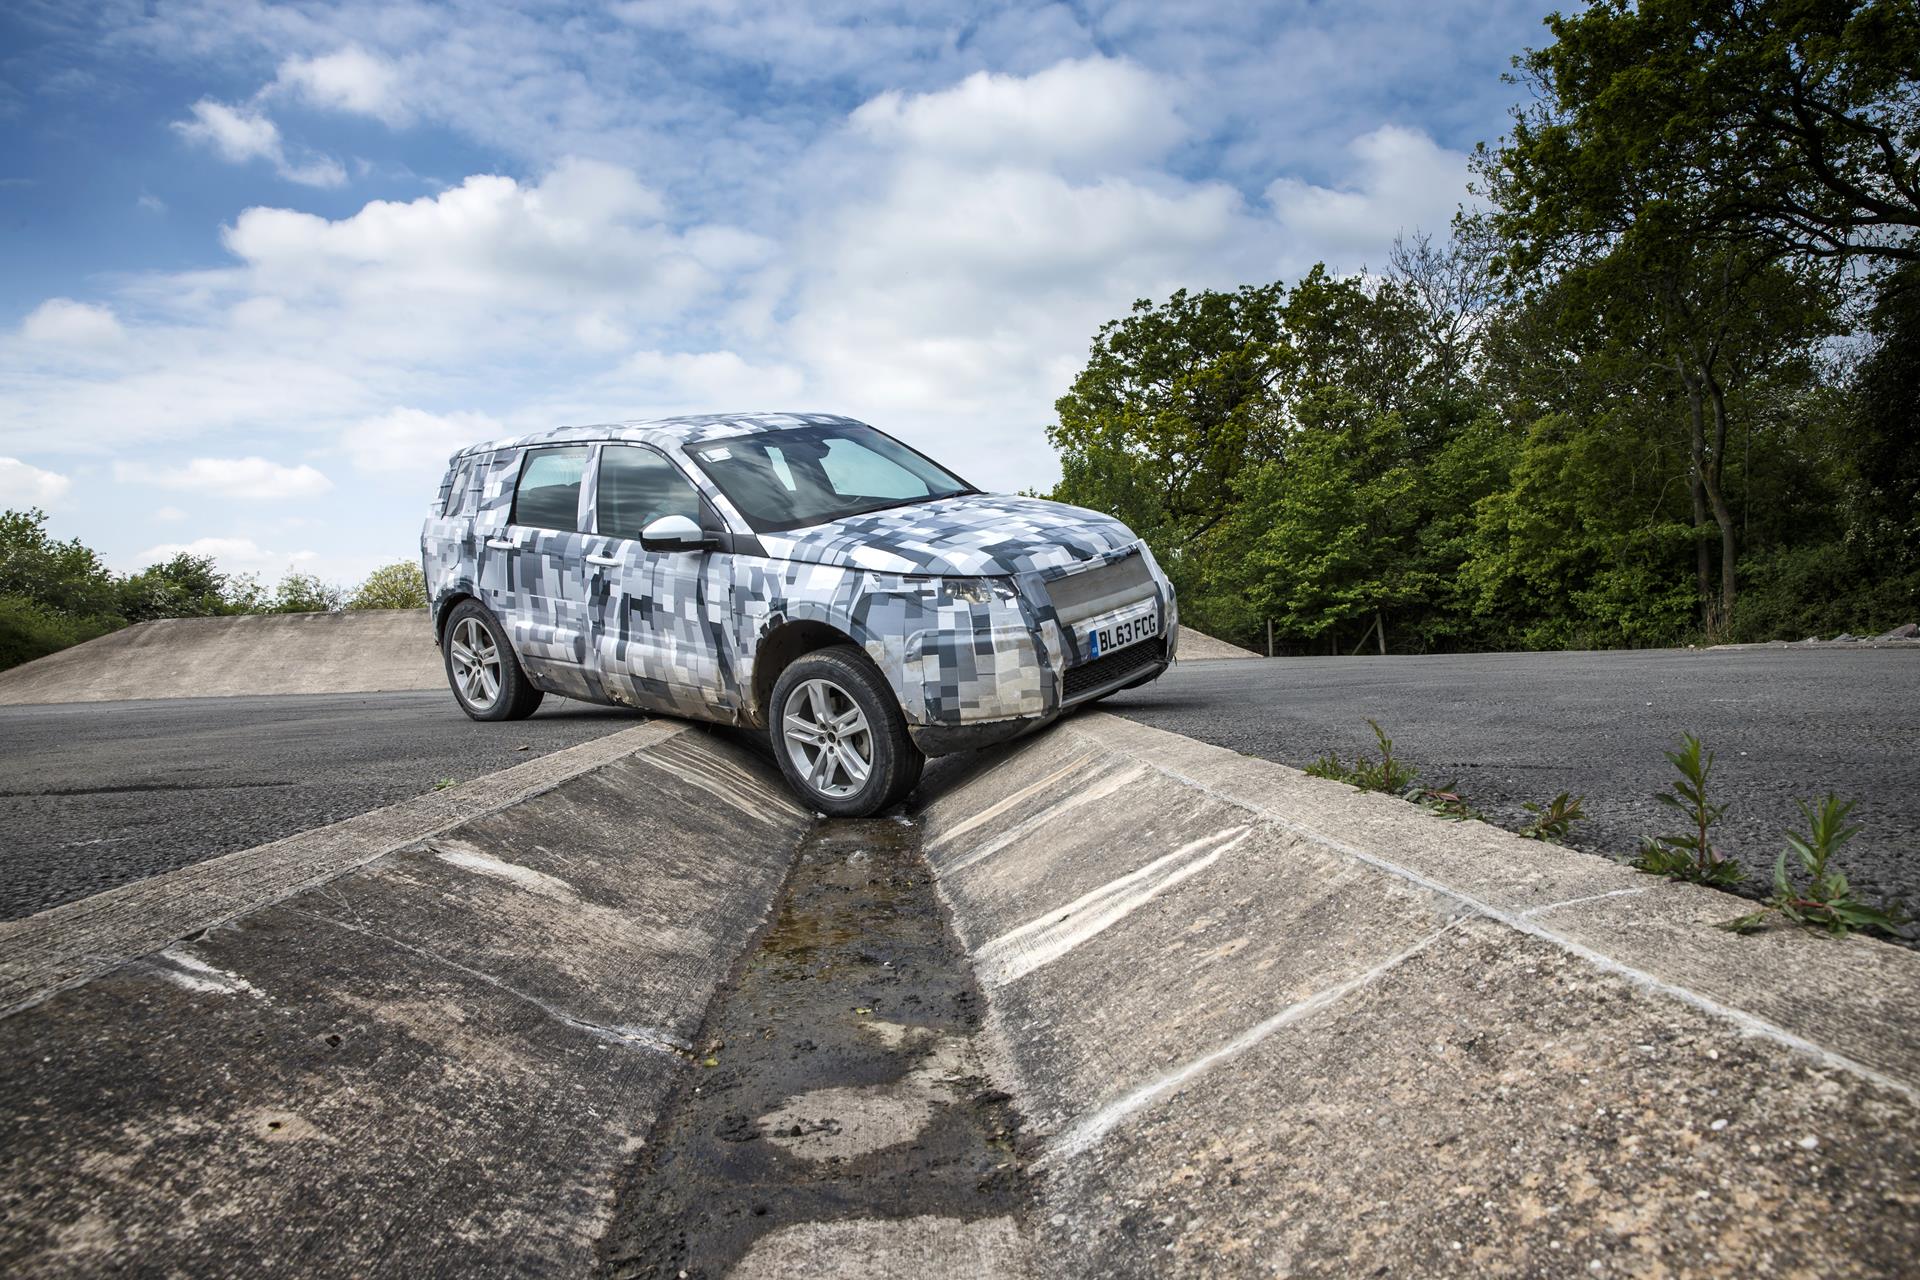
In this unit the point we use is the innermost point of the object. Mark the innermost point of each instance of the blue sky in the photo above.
(265, 266)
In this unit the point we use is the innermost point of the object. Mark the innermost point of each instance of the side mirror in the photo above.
(675, 533)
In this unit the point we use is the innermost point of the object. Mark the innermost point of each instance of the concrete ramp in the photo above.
(423, 1060)
(357, 651)
(1263, 1024)
(1198, 646)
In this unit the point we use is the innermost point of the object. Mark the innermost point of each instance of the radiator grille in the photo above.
(1100, 590)
(1116, 667)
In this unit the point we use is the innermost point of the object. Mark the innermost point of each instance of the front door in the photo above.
(655, 618)
(534, 572)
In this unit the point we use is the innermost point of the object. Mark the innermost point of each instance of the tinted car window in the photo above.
(637, 487)
(548, 496)
(791, 479)
(457, 492)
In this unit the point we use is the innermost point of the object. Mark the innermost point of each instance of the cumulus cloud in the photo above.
(1085, 112)
(253, 478)
(413, 441)
(589, 233)
(64, 322)
(22, 485)
(231, 554)
(348, 79)
(241, 134)
(1401, 180)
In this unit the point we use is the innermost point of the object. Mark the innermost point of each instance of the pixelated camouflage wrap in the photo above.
(952, 599)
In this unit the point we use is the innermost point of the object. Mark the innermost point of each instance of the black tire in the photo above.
(893, 763)
(513, 695)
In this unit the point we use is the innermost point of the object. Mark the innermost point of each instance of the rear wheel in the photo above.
(485, 676)
(839, 735)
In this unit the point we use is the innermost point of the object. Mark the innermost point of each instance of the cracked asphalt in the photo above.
(99, 794)
(1506, 729)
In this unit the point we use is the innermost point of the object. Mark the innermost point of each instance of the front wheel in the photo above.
(485, 676)
(839, 735)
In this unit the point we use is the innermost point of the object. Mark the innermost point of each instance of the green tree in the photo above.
(63, 577)
(187, 586)
(306, 593)
(401, 585)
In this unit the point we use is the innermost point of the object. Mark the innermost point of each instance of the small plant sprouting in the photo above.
(1446, 802)
(1553, 821)
(1689, 855)
(1828, 902)
(1386, 774)
(444, 783)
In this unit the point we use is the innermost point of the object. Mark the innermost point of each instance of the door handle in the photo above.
(499, 544)
(606, 560)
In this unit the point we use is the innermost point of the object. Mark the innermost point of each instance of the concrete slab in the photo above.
(359, 651)
(1198, 646)
(68, 944)
(432, 1063)
(1276, 1026)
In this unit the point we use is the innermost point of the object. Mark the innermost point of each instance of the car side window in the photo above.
(548, 495)
(638, 486)
(457, 491)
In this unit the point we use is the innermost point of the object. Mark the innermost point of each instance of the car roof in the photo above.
(667, 431)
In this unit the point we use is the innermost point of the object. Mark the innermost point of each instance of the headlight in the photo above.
(969, 590)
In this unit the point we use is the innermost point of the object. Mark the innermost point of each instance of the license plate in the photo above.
(1119, 634)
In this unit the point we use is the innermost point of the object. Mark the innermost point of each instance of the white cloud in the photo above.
(22, 485)
(255, 478)
(169, 515)
(1090, 112)
(240, 134)
(413, 441)
(1401, 181)
(151, 203)
(64, 322)
(231, 554)
(348, 79)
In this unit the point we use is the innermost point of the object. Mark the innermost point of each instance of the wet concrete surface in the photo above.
(96, 795)
(838, 1107)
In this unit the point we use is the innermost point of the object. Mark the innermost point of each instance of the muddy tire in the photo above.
(482, 671)
(838, 734)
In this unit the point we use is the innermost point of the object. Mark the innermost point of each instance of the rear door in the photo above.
(534, 571)
(656, 618)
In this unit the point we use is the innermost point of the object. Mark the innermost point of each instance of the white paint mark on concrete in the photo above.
(1018, 952)
(993, 811)
(196, 974)
(526, 877)
(1748, 1023)
(1095, 1126)
(1531, 912)
(1097, 791)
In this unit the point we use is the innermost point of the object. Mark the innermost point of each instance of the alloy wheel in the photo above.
(476, 663)
(828, 738)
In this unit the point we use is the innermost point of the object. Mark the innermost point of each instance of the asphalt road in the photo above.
(1786, 724)
(97, 794)
(94, 795)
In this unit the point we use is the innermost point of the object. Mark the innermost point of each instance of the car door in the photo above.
(656, 618)
(534, 570)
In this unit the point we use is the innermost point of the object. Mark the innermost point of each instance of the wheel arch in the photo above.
(780, 646)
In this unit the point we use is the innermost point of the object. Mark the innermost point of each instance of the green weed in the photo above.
(1828, 902)
(1689, 855)
(1553, 821)
(444, 783)
(1446, 802)
(1385, 774)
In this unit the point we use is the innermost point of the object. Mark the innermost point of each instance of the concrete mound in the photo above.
(360, 651)
(1198, 646)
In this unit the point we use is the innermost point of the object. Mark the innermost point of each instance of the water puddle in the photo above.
(838, 1110)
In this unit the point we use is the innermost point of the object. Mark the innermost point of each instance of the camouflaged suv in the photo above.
(800, 573)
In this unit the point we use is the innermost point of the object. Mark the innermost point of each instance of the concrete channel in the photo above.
(1107, 1001)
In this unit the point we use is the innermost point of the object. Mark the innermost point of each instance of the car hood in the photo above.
(972, 535)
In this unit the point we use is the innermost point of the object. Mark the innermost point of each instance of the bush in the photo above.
(401, 585)
(29, 630)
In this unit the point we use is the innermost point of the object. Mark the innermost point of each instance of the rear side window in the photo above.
(548, 495)
(457, 492)
(638, 486)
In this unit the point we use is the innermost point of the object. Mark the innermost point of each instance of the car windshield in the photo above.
(792, 479)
